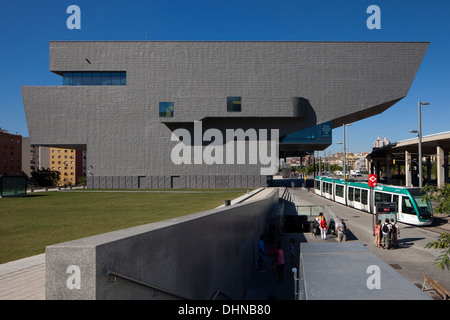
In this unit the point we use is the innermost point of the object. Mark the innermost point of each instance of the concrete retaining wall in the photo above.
(191, 256)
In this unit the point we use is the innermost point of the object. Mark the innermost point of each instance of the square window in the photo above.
(166, 109)
(234, 104)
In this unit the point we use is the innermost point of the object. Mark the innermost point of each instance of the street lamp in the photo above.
(347, 160)
(420, 141)
(343, 157)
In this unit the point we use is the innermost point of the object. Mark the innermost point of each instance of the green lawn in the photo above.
(28, 224)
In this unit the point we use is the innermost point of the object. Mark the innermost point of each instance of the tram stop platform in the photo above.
(349, 271)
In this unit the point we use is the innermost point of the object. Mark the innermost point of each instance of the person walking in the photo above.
(342, 231)
(280, 261)
(378, 234)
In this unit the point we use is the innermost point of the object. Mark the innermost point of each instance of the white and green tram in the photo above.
(411, 207)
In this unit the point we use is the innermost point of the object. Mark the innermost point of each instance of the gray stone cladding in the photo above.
(287, 86)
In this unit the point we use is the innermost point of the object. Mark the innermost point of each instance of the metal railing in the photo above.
(115, 274)
(220, 293)
(112, 273)
(299, 283)
(310, 210)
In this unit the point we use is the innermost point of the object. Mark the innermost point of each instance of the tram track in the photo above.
(438, 229)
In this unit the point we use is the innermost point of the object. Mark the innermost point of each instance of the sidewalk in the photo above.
(23, 279)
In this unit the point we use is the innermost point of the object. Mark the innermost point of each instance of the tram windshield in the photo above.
(424, 205)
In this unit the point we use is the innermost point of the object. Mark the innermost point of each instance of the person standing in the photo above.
(378, 234)
(261, 254)
(386, 233)
(395, 233)
(323, 228)
(342, 231)
(292, 248)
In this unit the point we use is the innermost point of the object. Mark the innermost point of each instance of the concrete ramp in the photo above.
(347, 271)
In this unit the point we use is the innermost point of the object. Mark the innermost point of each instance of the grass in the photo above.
(29, 224)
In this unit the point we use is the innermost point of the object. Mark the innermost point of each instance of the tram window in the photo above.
(328, 188)
(377, 197)
(358, 195)
(382, 197)
(364, 194)
(317, 185)
(350, 194)
(407, 206)
(395, 199)
(339, 191)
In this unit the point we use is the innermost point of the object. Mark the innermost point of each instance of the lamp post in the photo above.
(343, 158)
(420, 141)
(347, 160)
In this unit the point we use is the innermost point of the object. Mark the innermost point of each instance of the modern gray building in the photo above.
(137, 107)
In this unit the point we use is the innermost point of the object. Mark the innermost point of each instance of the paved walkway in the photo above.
(23, 279)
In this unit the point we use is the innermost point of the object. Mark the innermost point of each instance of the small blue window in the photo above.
(166, 109)
(96, 78)
(234, 104)
(115, 79)
(77, 79)
(67, 78)
(106, 78)
(87, 79)
(123, 78)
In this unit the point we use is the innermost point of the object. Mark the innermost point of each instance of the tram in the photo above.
(411, 207)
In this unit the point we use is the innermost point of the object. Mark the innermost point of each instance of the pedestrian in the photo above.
(292, 247)
(280, 261)
(317, 222)
(323, 228)
(342, 231)
(378, 234)
(273, 254)
(293, 185)
(261, 254)
(395, 233)
(386, 234)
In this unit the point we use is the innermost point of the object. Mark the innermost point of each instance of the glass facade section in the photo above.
(320, 133)
(166, 109)
(234, 104)
(94, 78)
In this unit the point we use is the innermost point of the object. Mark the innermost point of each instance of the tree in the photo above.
(443, 261)
(441, 195)
(45, 177)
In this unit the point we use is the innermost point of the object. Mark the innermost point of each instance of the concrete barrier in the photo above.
(190, 257)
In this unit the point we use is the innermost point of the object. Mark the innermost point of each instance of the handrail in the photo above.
(109, 272)
(220, 292)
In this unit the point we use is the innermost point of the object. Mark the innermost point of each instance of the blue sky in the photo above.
(28, 26)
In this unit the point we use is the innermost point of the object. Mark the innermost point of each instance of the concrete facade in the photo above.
(287, 86)
(191, 257)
